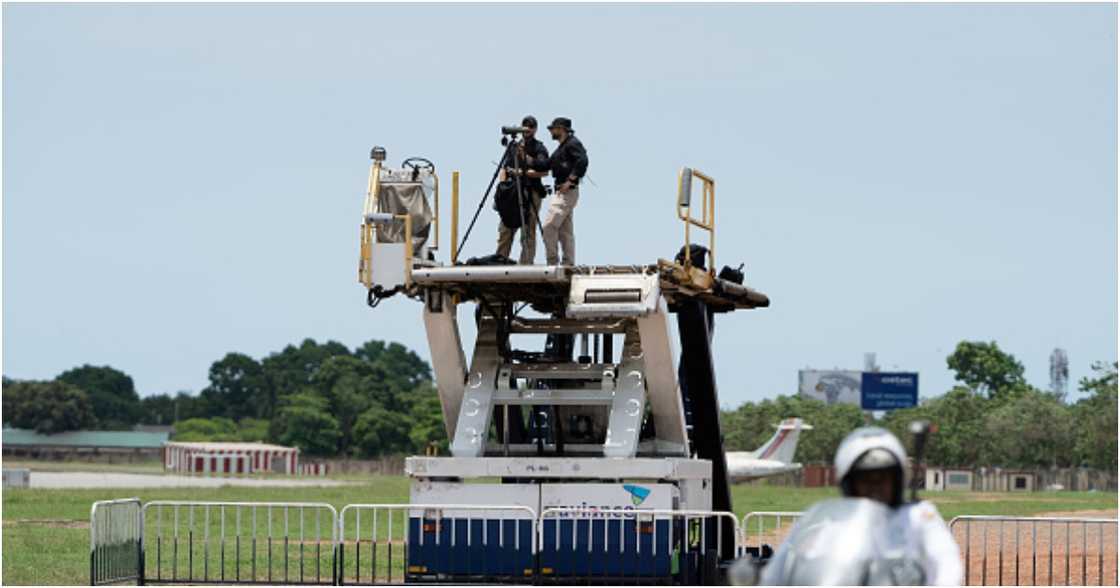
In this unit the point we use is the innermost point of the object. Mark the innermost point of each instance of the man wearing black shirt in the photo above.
(568, 164)
(533, 157)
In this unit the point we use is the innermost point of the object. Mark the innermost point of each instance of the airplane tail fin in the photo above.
(783, 444)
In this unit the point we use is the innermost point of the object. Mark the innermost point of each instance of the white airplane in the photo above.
(774, 457)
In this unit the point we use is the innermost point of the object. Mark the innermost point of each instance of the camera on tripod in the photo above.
(511, 133)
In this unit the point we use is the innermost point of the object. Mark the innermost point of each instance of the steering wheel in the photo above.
(419, 163)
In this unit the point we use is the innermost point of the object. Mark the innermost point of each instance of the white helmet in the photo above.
(871, 448)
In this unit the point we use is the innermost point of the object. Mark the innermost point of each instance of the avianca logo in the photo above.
(638, 494)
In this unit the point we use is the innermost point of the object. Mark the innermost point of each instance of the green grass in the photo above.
(46, 534)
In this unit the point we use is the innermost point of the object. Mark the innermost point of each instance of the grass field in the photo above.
(46, 532)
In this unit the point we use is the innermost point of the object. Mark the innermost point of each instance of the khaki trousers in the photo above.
(528, 236)
(558, 229)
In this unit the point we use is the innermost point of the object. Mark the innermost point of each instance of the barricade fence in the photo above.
(115, 536)
(391, 543)
(763, 531)
(1037, 550)
(239, 542)
(170, 542)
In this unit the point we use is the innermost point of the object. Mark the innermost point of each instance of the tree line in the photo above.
(379, 399)
(993, 417)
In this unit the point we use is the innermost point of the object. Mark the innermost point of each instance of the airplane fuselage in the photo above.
(742, 467)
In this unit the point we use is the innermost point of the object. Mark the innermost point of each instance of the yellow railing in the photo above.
(707, 220)
(370, 222)
(366, 249)
(454, 216)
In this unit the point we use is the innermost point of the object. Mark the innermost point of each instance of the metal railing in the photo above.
(394, 542)
(1036, 550)
(239, 542)
(626, 545)
(769, 528)
(115, 538)
(707, 220)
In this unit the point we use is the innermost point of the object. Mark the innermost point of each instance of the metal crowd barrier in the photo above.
(624, 545)
(1037, 550)
(395, 543)
(768, 528)
(241, 542)
(115, 536)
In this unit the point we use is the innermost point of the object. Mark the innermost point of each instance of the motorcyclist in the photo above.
(898, 542)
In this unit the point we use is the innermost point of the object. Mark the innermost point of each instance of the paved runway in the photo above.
(120, 480)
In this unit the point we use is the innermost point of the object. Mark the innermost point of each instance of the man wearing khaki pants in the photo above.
(568, 164)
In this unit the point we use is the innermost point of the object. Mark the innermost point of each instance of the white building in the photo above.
(939, 479)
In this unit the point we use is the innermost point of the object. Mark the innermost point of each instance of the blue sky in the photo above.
(184, 181)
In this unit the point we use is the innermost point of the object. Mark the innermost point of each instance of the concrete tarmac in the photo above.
(123, 480)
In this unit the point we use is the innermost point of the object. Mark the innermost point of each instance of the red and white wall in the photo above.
(225, 459)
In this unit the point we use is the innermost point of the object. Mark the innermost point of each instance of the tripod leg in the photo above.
(485, 197)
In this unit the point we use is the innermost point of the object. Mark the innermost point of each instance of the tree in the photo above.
(212, 429)
(350, 387)
(1095, 419)
(46, 407)
(987, 369)
(305, 422)
(426, 415)
(1033, 429)
(381, 432)
(961, 438)
(292, 369)
(111, 394)
(238, 388)
(397, 370)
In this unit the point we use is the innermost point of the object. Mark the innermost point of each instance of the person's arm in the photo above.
(941, 554)
(538, 163)
(540, 159)
(579, 160)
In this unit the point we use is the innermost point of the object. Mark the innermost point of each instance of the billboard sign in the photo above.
(889, 390)
(830, 386)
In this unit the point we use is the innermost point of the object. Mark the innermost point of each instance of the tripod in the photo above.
(511, 154)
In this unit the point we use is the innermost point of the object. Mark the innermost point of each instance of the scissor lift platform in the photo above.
(547, 427)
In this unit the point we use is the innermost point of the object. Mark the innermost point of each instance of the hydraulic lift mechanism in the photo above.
(574, 394)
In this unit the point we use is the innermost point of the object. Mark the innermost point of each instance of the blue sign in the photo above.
(888, 390)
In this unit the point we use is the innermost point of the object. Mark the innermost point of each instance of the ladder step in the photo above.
(560, 371)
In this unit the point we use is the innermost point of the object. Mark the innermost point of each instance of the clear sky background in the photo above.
(184, 181)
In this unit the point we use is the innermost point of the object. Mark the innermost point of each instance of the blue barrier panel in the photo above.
(470, 547)
(613, 547)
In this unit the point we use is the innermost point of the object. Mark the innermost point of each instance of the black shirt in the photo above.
(568, 161)
(536, 159)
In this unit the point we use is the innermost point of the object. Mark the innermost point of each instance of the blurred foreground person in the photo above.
(869, 537)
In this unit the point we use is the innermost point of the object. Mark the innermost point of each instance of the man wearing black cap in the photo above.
(568, 164)
(533, 157)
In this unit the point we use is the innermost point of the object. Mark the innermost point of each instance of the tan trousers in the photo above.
(528, 237)
(558, 229)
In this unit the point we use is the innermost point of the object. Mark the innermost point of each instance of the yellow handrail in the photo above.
(373, 185)
(454, 216)
(368, 228)
(707, 220)
(435, 179)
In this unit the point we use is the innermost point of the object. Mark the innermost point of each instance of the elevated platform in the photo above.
(600, 468)
(545, 287)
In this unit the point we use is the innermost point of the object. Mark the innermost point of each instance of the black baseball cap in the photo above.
(561, 121)
(529, 121)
